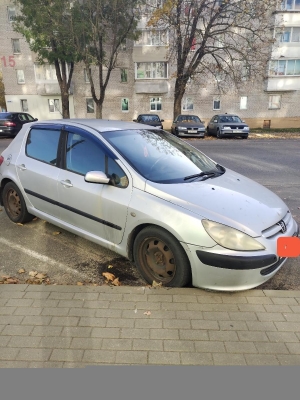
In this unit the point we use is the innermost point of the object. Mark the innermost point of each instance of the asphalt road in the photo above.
(68, 259)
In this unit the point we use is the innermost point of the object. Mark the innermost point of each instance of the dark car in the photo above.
(227, 125)
(12, 122)
(150, 119)
(188, 125)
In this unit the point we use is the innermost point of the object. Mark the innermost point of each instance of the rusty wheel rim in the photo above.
(158, 260)
(13, 203)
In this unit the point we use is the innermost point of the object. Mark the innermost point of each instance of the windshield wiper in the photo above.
(205, 175)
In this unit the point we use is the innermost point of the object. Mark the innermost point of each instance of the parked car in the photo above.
(12, 122)
(150, 119)
(227, 125)
(188, 125)
(149, 196)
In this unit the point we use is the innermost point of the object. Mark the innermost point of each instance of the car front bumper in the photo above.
(187, 132)
(235, 132)
(226, 270)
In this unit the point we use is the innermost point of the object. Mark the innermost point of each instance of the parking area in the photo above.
(63, 258)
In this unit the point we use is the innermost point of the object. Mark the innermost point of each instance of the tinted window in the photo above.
(85, 154)
(42, 145)
(29, 117)
(149, 118)
(22, 117)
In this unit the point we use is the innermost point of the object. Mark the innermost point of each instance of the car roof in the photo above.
(227, 115)
(101, 125)
(187, 115)
(148, 115)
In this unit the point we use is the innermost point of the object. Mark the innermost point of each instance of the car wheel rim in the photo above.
(13, 203)
(158, 260)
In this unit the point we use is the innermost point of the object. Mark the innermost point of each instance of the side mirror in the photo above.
(134, 120)
(96, 177)
(162, 120)
(215, 120)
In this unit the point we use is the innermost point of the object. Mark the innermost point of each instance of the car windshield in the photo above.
(230, 118)
(188, 118)
(149, 118)
(160, 156)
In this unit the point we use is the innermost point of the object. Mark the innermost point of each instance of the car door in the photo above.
(37, 167)
(213, 124)
(97, 209)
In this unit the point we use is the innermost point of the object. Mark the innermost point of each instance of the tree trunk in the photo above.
(99, 106)
(65, 104)
(178, 95)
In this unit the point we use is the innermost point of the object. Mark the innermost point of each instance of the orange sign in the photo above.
(288, 247)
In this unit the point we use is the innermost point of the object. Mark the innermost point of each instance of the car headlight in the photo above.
(230, 238)
(226, 128)
(246, 128)
(182, 127)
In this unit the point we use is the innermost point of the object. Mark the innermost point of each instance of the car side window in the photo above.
(22, 117)
(42, 144)
(84, 154)
(29, 117)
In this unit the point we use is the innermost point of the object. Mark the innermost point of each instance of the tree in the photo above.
(209, 38)
(2, 93)
(106, 26)
(48, 27)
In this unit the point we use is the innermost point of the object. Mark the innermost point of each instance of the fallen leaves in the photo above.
(111, 278)
(156, 284)
(56, 233)
(21, 271)
(147, 313)
(8, 280)
(37, 278)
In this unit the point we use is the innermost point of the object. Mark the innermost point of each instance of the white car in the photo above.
(178, 215)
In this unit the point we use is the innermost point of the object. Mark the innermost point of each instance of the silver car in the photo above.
(227, 125)
(188, 125)
(178, 215)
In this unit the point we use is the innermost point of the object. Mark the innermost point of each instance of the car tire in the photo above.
(160, 257)
(219, 136)
(14, 204)
(244, 137)
(176, 132)
(207, 132)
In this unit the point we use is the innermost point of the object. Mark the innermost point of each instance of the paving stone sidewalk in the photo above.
(76, 326)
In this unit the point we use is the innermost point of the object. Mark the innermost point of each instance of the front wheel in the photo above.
(219, 136)
(159, 257)
(14, 204)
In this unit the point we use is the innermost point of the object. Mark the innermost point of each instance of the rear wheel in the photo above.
(14, 204)
(159, 257)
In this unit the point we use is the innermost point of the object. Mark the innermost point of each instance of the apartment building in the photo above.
(143, 80)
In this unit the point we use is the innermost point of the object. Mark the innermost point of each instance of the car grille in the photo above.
(234, 126)
(276, 228)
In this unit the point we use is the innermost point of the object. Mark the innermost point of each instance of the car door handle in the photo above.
(66, 183)
(22, 167)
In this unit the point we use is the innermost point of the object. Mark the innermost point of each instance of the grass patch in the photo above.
(275, 130)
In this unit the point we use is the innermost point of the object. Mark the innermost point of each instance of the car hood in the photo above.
(152, 123)
(230, 199)
(190, 124)
(234, 124)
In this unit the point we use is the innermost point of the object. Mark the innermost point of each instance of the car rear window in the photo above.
(42, 144)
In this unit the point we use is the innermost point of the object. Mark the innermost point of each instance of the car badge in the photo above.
(282, 226)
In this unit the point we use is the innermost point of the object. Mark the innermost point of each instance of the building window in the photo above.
(284, 67)
(290, 5)
(45, 73)
(16, 46)
(53, 105)
(187, 104)
(153, 37)
(155, 104)
(24, 105)
(124, 105)
(274, 102)
(90, 107)
(243, 103)
(11, 13)
(151, 70)
(124, 75)
(86, 78)
(20, 76)
(288, 35)
(217, 105)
